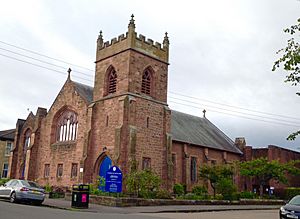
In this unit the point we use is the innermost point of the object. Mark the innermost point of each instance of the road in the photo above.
(21, 211)
(254, 214)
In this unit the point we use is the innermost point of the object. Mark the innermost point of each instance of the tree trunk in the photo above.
(261, 190)
(213, 187)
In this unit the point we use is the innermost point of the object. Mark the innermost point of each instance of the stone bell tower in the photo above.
(130, 115)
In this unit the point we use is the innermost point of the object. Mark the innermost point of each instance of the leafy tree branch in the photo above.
(290, 61)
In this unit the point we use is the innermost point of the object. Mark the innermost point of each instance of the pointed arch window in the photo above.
(27, 144)
(67, 127)
(146, 82)
(112, 81)
(27, 139)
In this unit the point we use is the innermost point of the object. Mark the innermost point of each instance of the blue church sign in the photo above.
(113, 180)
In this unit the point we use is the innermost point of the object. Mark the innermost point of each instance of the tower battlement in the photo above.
(112, 42)
(131, 41)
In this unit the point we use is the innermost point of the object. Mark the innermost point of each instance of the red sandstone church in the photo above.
(123, 120)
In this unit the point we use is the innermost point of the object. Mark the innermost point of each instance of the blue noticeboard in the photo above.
(113, 180)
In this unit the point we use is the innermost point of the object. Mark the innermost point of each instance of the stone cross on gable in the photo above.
(69, 73)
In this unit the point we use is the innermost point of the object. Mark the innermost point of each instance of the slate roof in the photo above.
(199, 131)
(7, 134)
(184, 127)
(85, 91)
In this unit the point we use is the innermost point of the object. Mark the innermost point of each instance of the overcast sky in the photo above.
(221, 56)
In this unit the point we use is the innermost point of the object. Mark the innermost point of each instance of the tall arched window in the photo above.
(67, 127)
(146, 82)
(112, 81)
(27, 139)
(27, 136)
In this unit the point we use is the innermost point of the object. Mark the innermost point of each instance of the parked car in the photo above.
(22, 190)
(291, 209)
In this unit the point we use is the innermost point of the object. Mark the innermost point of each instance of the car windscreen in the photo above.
(14, 183)
(29, 184)
(295, 201)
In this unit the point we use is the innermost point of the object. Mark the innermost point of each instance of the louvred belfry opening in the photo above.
(146, 82)
(112, 82)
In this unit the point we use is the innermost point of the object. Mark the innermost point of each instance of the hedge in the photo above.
(291, 192)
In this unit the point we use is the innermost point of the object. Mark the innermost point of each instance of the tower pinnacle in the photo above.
(166, 42)
(100, 40)
(131, 25)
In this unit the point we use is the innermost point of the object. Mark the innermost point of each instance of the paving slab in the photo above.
(63, 204)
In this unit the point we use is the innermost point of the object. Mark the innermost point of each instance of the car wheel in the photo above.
(13, 197)
(38, 202)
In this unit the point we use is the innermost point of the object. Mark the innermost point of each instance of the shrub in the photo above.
(291, 192)
(144, 183)
(56, 195)
(163, 194)
(3, 181)
(226, 187)
(247, 195)
(265, 196)
(94, 188)
(48, 188)
(178, 189)
(56, 192)
(101, 182)
(191, 196)
(219, 197)
(199, 190)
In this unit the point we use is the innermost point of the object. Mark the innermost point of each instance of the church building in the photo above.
(123, 120)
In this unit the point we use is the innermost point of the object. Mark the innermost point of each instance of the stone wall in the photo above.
(131, 202)
(183, 153)
(68, 152)
(129, 66)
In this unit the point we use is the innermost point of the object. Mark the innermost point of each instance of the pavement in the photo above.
(64, 204)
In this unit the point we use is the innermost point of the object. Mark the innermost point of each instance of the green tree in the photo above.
(264, 171)
(226, 187)
(143, 183)
(291, 61)
(215, 173)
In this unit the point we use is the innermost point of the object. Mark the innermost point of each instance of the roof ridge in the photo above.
(75, 82)
(7, 130)
(188, 114)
